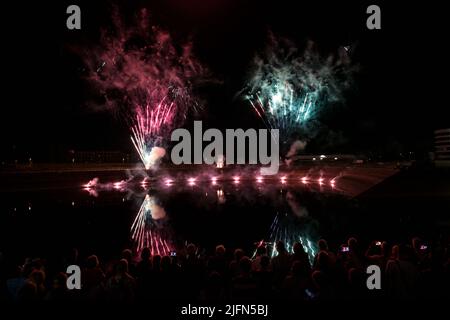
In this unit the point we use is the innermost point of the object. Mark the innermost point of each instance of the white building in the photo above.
(442, 147)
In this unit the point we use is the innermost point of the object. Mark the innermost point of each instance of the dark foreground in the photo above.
(400, 225)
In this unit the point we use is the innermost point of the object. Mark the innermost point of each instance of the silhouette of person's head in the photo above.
(145, 254)
(352, 244)
(280, 247)
(220, 250)
(245, 264)
(38, 277)
(298, 248)
(122, 267)
(191, 249)
(394, 252)
(127, 254)
(238, 254)
(92, 262)
(323, 245)
(416, 243)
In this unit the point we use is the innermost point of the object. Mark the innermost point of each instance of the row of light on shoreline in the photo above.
(192, 181)
(214, 180)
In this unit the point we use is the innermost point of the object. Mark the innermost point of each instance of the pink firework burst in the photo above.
(149, 126)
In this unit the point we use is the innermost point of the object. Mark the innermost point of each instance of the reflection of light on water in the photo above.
(92, 192)
(220, 196)
(144, 182)
(259, 179)
(220, 161)
(168, 182)
(214, 180)
(236, 179)
(332, 183)
(283, 179)
(119, 185)
(191, 181)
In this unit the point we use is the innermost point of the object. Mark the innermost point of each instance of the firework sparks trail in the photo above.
(147, 130)
(282, 111)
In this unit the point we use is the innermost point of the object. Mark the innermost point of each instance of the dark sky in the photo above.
(400, 94)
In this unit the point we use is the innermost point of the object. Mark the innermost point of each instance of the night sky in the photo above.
(399, 97)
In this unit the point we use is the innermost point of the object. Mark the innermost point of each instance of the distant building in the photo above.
(329, 158)
(442, 147)
(99, 157)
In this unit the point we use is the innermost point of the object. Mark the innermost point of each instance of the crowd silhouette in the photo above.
(411, 270)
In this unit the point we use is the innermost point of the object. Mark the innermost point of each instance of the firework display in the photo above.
(146, 80)
(149, 83)
(288, 89)
(224, 158)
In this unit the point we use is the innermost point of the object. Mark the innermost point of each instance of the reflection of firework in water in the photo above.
(143, 232)
(220, 163)
(287, 90)
(147, 131)
(289, 233)
(290, 228)
(221, 199)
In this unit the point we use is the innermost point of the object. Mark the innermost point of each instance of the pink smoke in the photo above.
(137, 64)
